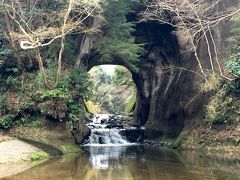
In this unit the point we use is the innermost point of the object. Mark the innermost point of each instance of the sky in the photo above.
(108, 69)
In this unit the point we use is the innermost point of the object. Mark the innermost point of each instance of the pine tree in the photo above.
(118, 39)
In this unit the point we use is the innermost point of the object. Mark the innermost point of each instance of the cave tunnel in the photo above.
(161, 90)
(114, 91)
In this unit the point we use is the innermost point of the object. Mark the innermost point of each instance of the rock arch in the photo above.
(160, 88)
(168, 97)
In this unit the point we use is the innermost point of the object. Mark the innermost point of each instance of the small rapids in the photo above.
(106, 130)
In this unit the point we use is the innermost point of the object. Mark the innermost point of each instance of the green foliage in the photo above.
(99, 77)
(111, 92)
(9, 76)
(66, 101)
(234, 63)
(130, 104)
(58, 93)
(40, 155)
(50, 54)
(234, 87)
(182, 139)
(223, 109)
(35, 123)
(118, 40)
(234, 67)
(104, 78)
(6, 122)
(50, 71)
(121, 77)
(117, 105)
(69, 52)
(12, 83)
(79, 83)
(5, 50)
(66, 149)
(3, 104)
(75, 109)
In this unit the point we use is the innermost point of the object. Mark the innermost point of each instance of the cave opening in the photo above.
(114, 91)
(158, 81)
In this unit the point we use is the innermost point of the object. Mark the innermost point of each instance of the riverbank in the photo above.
(13, 150)
(25, 146)
(219, 144)
(133, 162)
(55, 138)
(15, 155)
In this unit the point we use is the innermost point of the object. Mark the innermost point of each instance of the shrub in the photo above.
(212, 84)
(223, 108)
(6, 122)
(79, 83)
(3, 104)
(40, 155)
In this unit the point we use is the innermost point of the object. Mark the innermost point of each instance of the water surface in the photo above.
(133, 163)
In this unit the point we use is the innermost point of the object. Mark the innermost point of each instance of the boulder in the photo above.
(81, 133)
(133, 134)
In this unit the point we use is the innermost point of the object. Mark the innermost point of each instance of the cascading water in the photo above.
(105, 130)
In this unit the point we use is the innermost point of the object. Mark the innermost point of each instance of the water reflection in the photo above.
(132, 163)
(106, 157)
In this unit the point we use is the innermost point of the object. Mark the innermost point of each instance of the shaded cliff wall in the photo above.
(168, 97)
(164, 86)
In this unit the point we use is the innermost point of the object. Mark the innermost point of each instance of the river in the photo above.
(109, 155)
(133, 163)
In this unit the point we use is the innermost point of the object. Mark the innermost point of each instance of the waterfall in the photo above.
(106, 130)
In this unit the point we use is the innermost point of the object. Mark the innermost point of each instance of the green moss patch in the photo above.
(66, 149)
(130, 104)
(40, 155)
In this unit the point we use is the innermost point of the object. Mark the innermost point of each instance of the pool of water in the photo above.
(133, 163)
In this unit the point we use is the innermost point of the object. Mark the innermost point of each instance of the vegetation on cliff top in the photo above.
(38, 75)
(39, 47)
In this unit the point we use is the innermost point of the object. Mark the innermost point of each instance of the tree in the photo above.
(121, 77)
(118, 40)
(193, 20)
(32, 25)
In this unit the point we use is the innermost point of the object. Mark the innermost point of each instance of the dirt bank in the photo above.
(14, 155)
(13, 150)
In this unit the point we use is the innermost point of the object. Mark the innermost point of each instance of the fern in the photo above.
(118, 40)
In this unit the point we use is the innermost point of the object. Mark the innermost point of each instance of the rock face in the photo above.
(167, 93)
(133, 135)
(81, 133)
(159, 85)
(168, 96)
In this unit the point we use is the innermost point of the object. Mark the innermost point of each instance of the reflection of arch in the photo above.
(116, 158)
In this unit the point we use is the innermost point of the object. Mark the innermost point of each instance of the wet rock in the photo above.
(133, 134)
(158, 143)
(81, 133)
